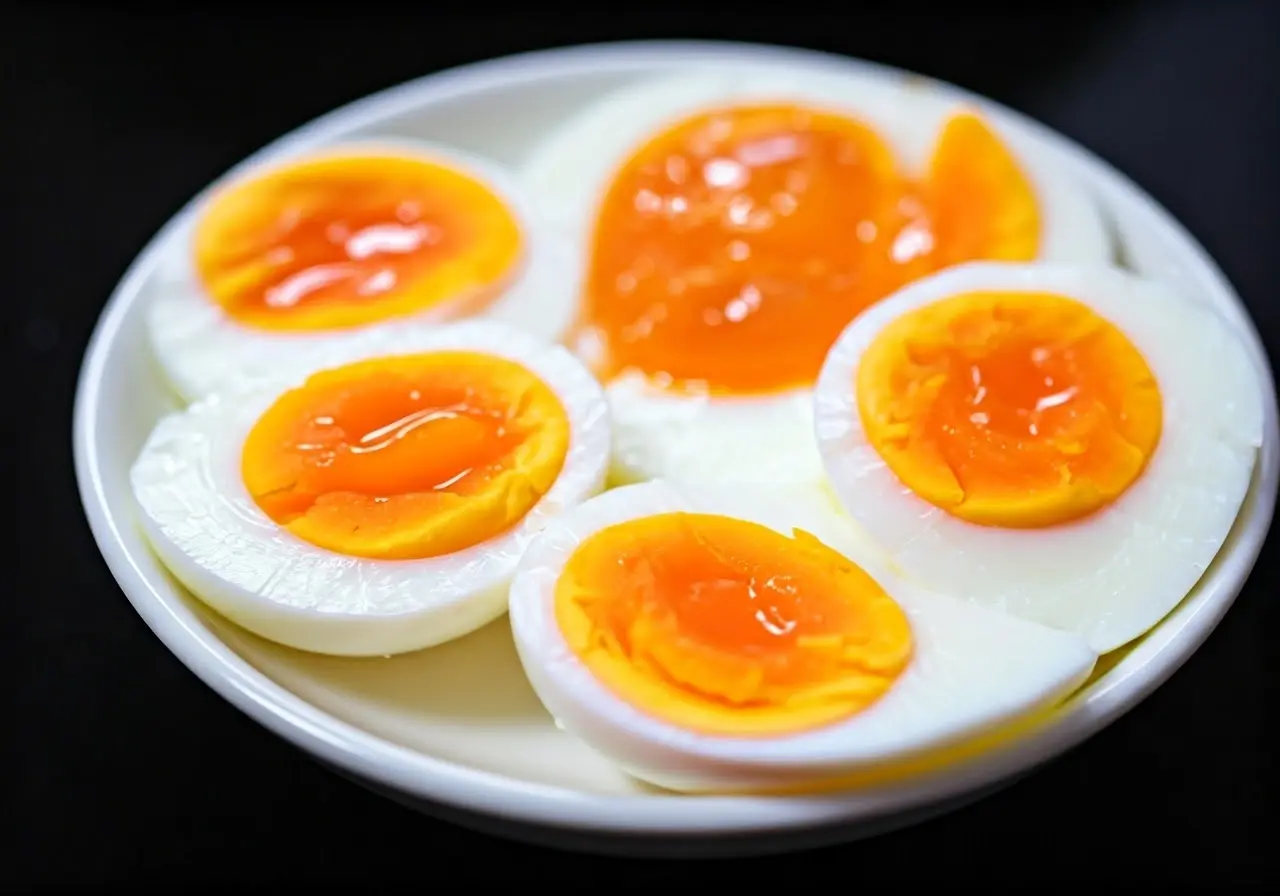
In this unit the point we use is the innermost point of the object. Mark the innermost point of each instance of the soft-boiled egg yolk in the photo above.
(407, 457)
(345, 241)
(731, 250)
(1018, 410)
(725, 626)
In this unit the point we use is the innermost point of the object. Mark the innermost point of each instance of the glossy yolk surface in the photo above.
(1019, 410)
(343, 241)
(726, 626)
(731, 250)
(407, 457)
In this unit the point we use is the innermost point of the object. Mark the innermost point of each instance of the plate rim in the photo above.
(430, 779)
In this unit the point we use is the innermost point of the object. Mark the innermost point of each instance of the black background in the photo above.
(123, 767)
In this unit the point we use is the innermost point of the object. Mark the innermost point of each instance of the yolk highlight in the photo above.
(407, 457)
(726, 626)
(1019, 410)
(731, 250)
(342, 241)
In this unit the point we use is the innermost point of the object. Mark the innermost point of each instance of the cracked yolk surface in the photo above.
(731, 250)
(341, 241)
(407, 457)
(1019, 410)
(726, 626)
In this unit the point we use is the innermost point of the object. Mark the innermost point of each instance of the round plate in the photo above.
(455, 730)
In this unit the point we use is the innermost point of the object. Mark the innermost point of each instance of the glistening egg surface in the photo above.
(733, 223)
(279, 261)
(1069, 444)
(378, 505)
(730, 638)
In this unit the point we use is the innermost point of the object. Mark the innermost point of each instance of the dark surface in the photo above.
(123, 767)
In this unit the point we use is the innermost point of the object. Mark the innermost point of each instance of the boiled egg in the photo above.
(379, 504)
(736, 638)
(733, 222)
(1069, 444)
(277, 262)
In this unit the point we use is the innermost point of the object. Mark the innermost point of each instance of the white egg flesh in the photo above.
(379, 505)
(275, 263)
(1069, 444)
(731, 638)
(732, 223)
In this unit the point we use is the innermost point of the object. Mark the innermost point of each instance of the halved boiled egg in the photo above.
(733, 223)
(720, 638)
(1068, 444)
(281, 260)
(380, 504)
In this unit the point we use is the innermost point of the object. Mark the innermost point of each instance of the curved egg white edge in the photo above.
(571, 167)
(200, 349)
(1071, 576)
(211, 535)
(1043, 666)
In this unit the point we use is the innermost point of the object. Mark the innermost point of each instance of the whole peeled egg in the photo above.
(284, 257)
(731, 222)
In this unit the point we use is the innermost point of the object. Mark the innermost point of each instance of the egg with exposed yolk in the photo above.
(746, 637)
(380, 503)
(277, 261)
(1069, 444)
(731, 224)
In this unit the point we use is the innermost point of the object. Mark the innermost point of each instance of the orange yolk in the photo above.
(1019, 410)
(730, 251)
(343, 241)
(407, 457)
(728, 627)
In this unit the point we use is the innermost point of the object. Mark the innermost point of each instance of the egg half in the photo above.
(380, 504)
(738, 638)
(733, 222)
(277, 262)
(1068, 444)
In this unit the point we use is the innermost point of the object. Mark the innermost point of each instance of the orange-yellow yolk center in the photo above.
(731, 250)
(726, 626)
(407, 457)
(1020, 410)
(342, 241)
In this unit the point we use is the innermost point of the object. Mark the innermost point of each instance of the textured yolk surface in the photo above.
(407, 457)
(343, 241)
(1019, 410)
(726, 626)
(730, 251)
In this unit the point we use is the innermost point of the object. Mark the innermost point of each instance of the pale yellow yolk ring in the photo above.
(342, 241)
(407, 457)
(1018, 410)
(727, 627)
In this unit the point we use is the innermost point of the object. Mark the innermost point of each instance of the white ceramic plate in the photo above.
(455, 730)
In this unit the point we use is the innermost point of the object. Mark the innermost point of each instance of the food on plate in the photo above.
(380, 504)
(729, 638)
(280, 260)
(1069, 444)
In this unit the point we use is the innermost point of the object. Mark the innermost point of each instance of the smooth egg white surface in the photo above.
(1114, 574)
(200, 349)
(972, 670)
(659, 435)
(209, 532)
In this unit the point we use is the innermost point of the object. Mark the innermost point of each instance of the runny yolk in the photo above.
(725, 626)
(407, 457)
(1019, 410)
(731, 250)
(338, 241)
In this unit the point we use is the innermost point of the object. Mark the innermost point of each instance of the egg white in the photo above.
(1116, 573)
(751, 439)
(201, 349)
(972, 672)
(209, 532)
